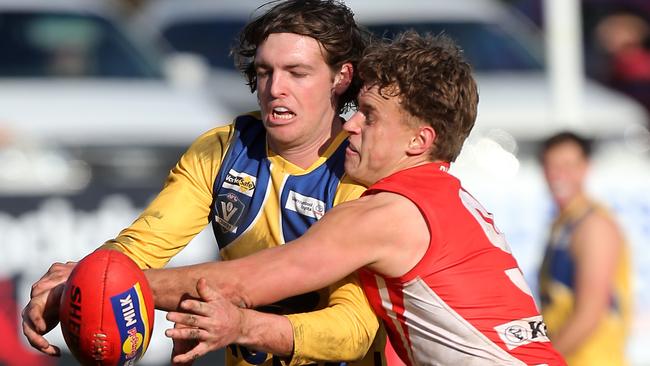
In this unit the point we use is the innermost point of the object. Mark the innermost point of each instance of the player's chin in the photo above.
(284, 136)
(354, 170)
(350, 165)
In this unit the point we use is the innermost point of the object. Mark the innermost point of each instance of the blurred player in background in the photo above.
(435, 269)
(584, 279)
(262, 181)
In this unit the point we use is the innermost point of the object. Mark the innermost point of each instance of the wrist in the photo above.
(244, 327)
(265, 332)
(167, 288)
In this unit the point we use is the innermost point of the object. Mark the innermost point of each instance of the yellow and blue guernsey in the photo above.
(256, 199)
(254, 186)
(606, 345)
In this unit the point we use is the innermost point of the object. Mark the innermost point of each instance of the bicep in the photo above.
(596, 246)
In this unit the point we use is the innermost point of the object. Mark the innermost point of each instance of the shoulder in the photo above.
(381, 211)
(391, 227)
(214, 140)
(219, 137)
(598, 221)
(598, 229)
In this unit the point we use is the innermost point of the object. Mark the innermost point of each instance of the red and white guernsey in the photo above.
(466, 302)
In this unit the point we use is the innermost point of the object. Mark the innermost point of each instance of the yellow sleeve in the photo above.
(346, 328)
(181, 210)
(343, 331)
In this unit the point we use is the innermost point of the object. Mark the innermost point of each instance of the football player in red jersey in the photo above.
(433, 265)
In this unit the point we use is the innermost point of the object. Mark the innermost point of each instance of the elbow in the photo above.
(358, 341)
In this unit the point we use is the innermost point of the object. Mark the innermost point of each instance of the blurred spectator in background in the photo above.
(584, 279)
(128, 7)
(624, 37)
(616, 42)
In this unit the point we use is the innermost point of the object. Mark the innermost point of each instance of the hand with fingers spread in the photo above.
(212, 321)
(41, 314)
(182, 346)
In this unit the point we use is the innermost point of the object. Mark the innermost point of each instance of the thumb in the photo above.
(206, 292)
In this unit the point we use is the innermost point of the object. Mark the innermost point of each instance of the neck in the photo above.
(562, 205)
(305, 155)
(413, 161)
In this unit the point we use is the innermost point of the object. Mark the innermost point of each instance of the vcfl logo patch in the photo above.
(228, 210)
(522, 331)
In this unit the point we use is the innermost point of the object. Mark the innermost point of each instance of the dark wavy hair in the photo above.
(433, 82)
(329, 22)
(584, 144)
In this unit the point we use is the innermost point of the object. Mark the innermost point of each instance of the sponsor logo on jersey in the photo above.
(131, 318)
(522, 331)
(228, 210)
(304, 205)
(240, 182)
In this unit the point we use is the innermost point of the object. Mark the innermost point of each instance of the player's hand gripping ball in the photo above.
(107, 310)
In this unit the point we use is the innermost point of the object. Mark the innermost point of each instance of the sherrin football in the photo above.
(107, 310)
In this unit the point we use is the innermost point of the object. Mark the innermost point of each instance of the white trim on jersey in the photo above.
(387, 304)
(450, 340)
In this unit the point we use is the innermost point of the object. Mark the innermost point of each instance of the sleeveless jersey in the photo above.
(466, 301)
(606, 345)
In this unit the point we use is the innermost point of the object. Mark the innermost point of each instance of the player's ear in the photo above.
(422, 140)
(343, 78)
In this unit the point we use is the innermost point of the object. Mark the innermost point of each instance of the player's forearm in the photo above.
(252, 281)
(266, 332)
(171, 285)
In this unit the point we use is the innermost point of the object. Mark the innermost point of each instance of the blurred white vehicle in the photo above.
(73, 85)
(505, 51)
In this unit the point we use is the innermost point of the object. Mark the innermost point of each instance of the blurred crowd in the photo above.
(616, 36)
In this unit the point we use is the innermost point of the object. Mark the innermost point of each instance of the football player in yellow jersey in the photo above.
(262, 181)
(584, 279)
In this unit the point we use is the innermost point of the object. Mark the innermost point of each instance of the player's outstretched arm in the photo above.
(331, 249)
(384, 232)
(355, 234)
(41, 314)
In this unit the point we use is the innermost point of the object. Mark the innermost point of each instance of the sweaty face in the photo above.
(295, 90)
(379, 136)
(565, 169)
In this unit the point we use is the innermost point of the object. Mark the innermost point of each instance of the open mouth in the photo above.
(282, 114)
